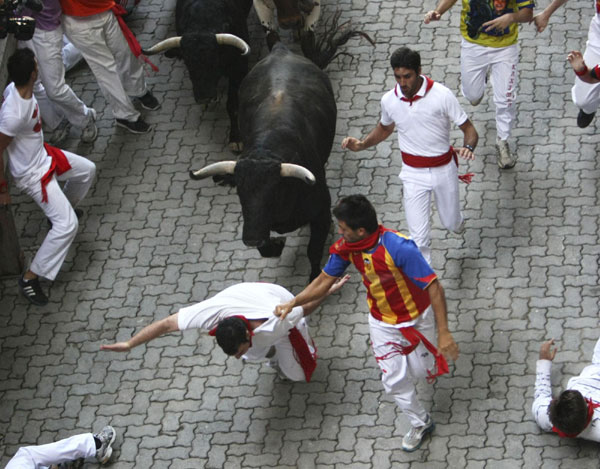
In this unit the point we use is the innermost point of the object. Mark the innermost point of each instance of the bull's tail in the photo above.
(322, 48)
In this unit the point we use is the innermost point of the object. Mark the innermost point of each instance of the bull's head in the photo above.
(258, 186)
(291, 13)
(200, 52)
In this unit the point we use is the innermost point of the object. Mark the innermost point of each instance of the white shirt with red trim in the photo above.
(423, 124)
(20, 119)
(253, 301)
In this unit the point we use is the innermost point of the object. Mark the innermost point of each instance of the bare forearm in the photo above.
(377, 135)
(153, 331)
(314, 293)
(438, 304)
(524, 15)
(550, 9)
(444, 5)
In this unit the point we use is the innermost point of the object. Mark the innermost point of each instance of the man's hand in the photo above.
(465, 153)
(352, 144)
(498, 24)
(339, 283)
(430, 16)
(117, 347)
(540, 21)
(546, 351)
(575, 58)
(282, 310)
(447, 346)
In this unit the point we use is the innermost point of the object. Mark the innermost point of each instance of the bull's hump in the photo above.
(277, 96)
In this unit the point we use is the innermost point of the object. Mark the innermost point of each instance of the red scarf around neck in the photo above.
(343, 248)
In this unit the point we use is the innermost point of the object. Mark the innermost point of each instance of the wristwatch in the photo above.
(3, 187)
(469, 147)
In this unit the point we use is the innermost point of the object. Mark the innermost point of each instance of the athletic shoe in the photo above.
(584, 119)
(90, 131)
(61, 133)
(32, 290)
(135, 127)
(505, 159)
(107, 438)
(77, 464)
(413, 439)
(148, 101)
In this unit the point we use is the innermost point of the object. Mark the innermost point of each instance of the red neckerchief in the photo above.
(60, 164)
(590, 413)
(213, 331)
(133, 43)
(429, 84)
(343, 249)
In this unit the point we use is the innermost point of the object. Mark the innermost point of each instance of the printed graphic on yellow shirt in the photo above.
(476, 13)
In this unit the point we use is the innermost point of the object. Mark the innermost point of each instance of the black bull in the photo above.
(212, 40)
(287, 123)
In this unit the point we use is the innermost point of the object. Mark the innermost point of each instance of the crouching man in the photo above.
(574, 413)
(242, 320)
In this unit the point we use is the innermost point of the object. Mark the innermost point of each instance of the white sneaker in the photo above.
(505, 159)
(61, 133)
(90, 131)
(413, 439)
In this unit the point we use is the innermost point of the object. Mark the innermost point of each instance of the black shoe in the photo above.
(137, 127)
(78, 214)
(32, 290)
(148, 101)
(584, 119)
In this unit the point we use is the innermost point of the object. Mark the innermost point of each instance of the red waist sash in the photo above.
(434, 161)
(60, 164)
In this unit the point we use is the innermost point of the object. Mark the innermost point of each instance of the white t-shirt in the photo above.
(20, 119)
(423, 125)
(251, 300)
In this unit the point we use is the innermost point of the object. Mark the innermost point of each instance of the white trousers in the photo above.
(47, 46)
(587, 96)
(475, 61)
(285, 356)
(59, 210)
(399, 373)
(418, 186)
(43, 456)
(118, 72)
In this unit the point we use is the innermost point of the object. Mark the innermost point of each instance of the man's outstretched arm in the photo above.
(543, 386)
(154, 330)
(312, 305)
(315, 291)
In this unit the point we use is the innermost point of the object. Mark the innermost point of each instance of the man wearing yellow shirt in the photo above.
(489, 44)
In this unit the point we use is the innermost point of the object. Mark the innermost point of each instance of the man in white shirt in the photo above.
(422, 110)
(61, 454)
(36, 167)
(241, 317)
(574, 413)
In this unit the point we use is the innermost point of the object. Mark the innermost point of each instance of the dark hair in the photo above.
(356, 212)
(568, 413)
(21, 65)
(230, 334)
(406, 58)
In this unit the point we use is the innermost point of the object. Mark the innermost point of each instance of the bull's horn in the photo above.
(231, 40)
(162, 46)
(296, 171)
(215, 169)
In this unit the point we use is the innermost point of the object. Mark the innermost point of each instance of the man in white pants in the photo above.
(36, 168)
(241, 317)
(47, 44)
(490, 32)
(60, 453)
(575, 413)
(585, 95)
(422, 110)
(93, 28)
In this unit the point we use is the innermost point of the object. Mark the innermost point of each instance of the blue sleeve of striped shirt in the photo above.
(407, 257)
(336, 266)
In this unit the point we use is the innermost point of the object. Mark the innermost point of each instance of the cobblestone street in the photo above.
(152, 241)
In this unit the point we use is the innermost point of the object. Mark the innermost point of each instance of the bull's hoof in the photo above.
(272, 248)
(236, 147)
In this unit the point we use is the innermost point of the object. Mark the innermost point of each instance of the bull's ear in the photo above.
(224, 180)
